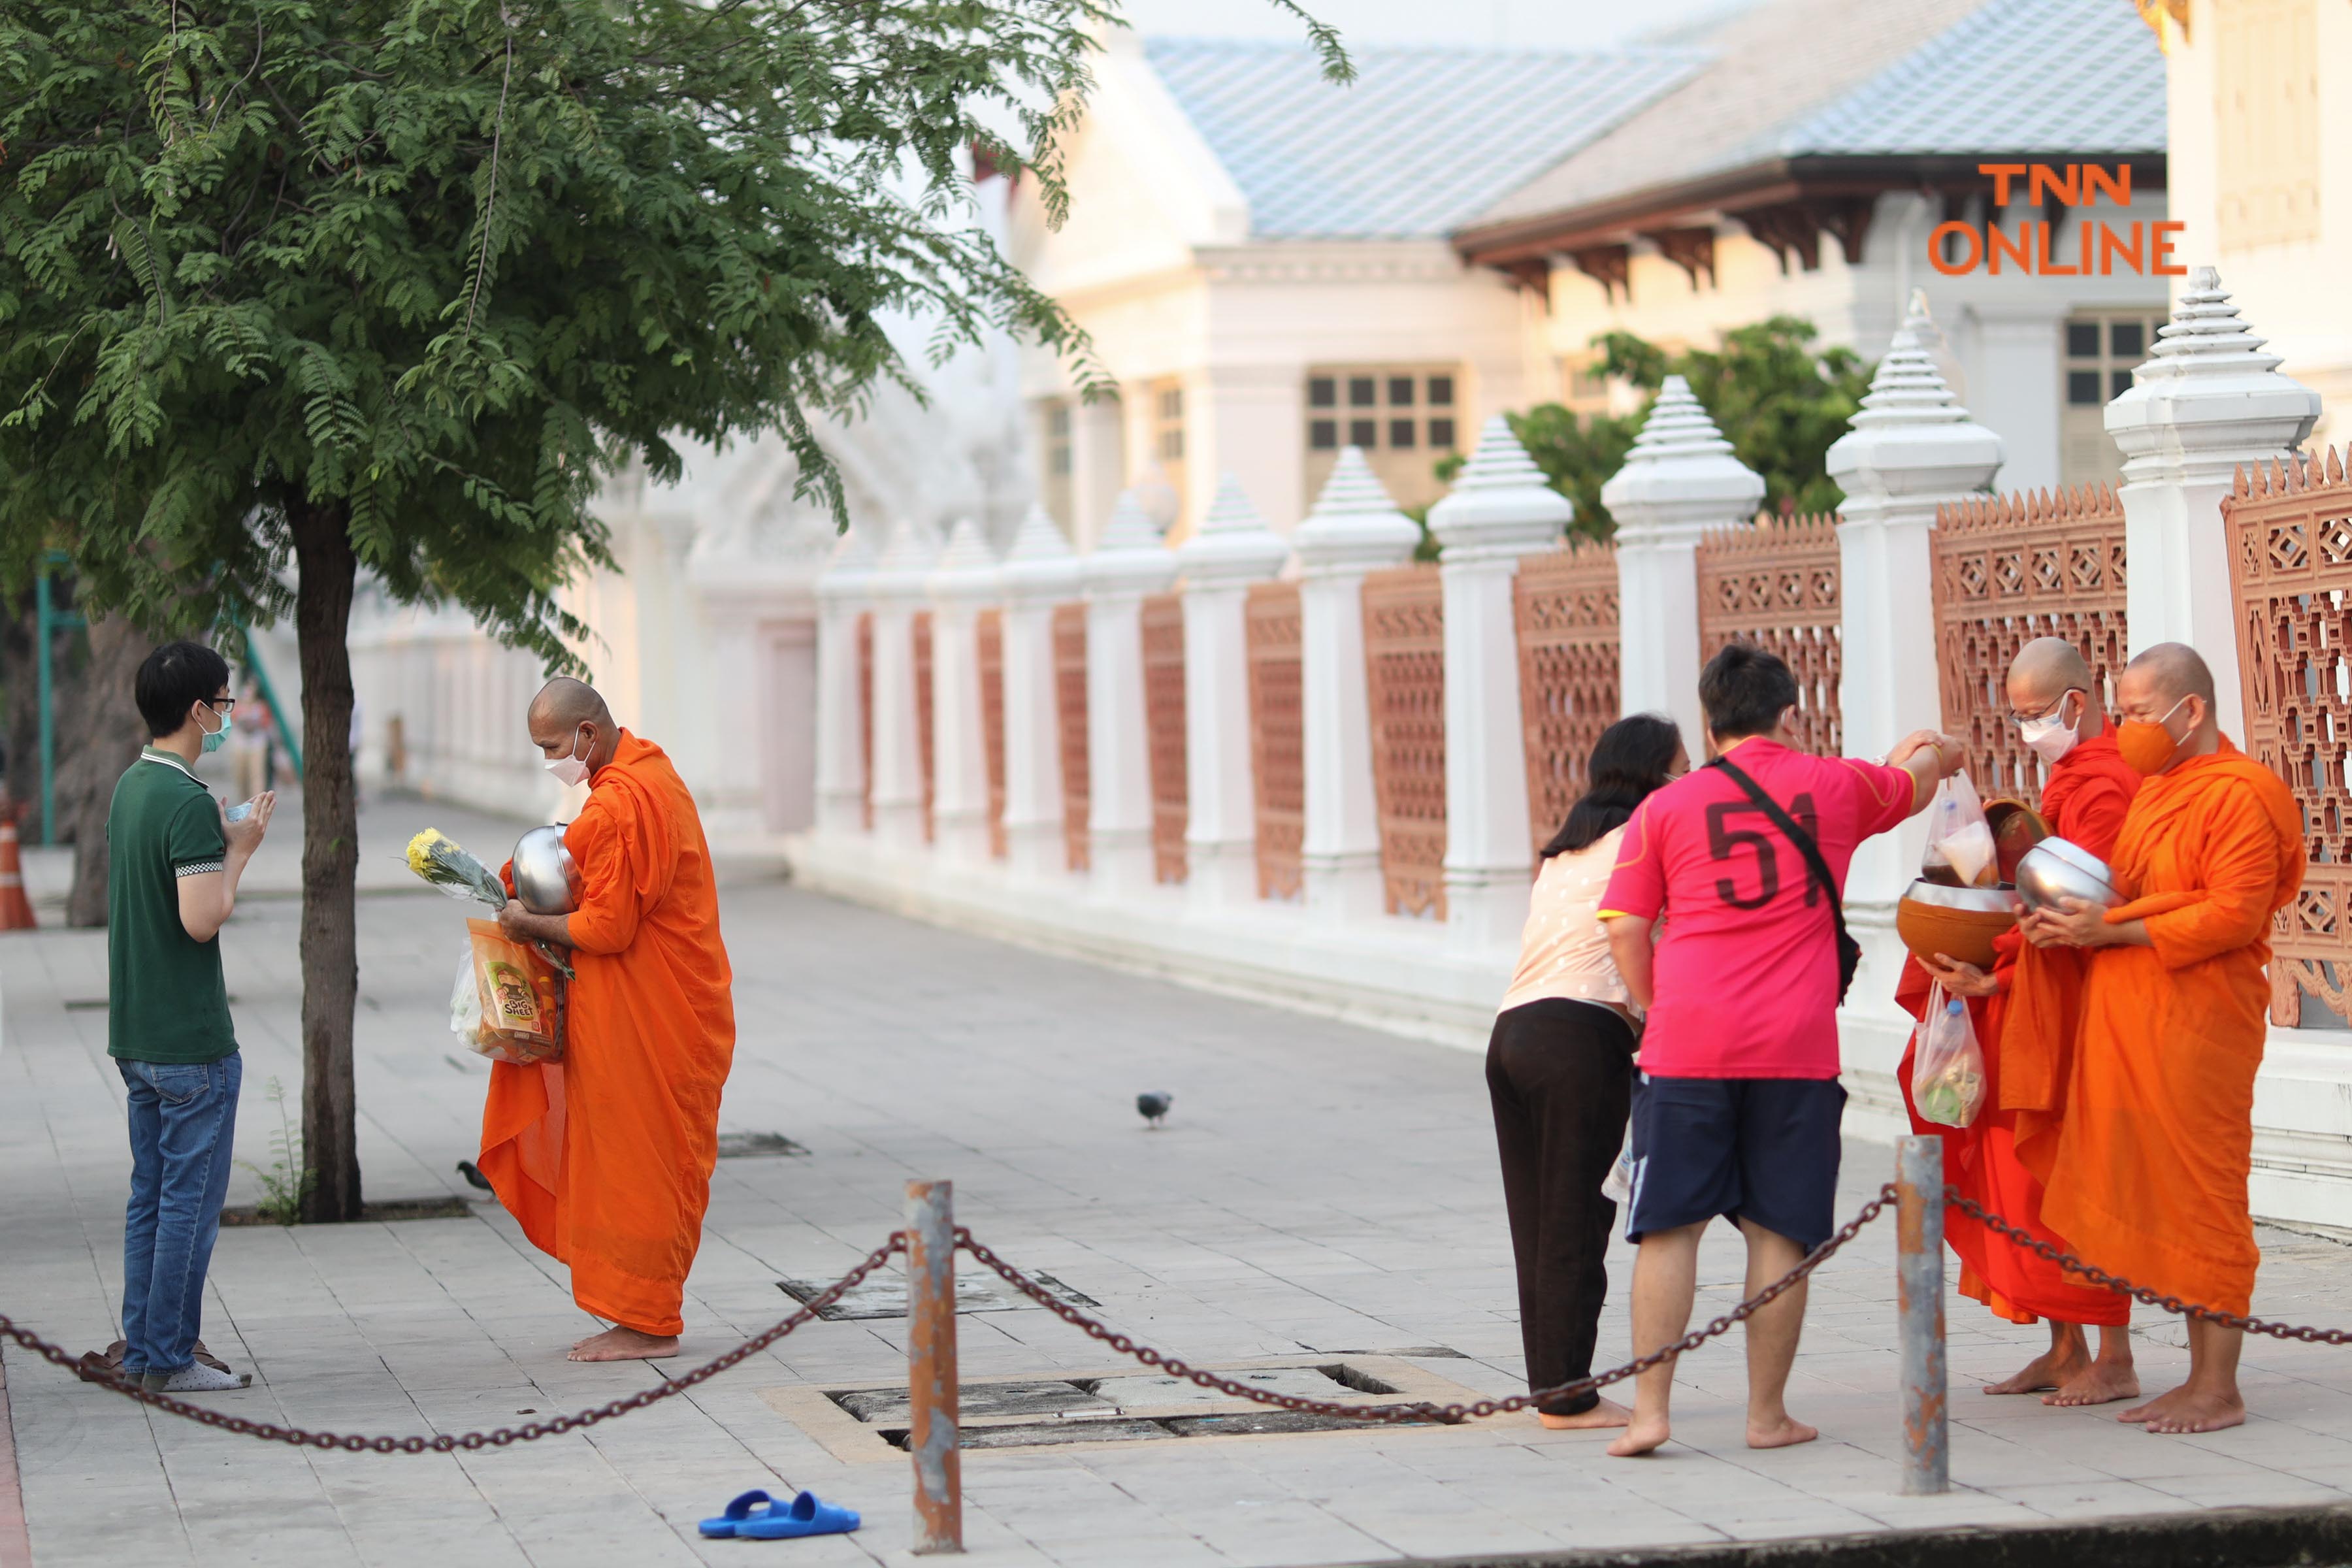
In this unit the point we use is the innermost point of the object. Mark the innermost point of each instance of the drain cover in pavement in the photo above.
(756, 1145)
(885, 1296)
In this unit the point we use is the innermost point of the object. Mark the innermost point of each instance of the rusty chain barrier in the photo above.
(1175, 1366)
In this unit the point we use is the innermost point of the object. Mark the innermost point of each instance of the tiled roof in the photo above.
(1425, 138)
(1860, 78)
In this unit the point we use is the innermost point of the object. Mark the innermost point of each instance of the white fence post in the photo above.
(1039, 571)
(1130, 563)
(1679, 480)
(1499, 508)
(898, 589)
(1353, 529)
(964, 579)
(841, 595)
(1912, 447)
(1231, 549)
(2205, 401)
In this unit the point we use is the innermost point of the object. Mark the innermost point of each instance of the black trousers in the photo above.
(1561, 1077)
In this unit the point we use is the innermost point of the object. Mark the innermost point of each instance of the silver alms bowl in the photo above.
(2055, 868)
(544, 877)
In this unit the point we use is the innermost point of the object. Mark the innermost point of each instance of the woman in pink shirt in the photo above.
(1560, 1068)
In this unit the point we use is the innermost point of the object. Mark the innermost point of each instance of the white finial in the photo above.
(849, 569)
(2207, 336)
(1232, 543)
(1354, 524)
(2208, 399)
(1041, 565)
(1911, 436)
(1130, 556)
(1908, 387)
(967, 566)
(1681, 474)
(1500, 503)
(907, 559)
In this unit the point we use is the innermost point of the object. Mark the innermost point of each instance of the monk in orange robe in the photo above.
(2146, 1175)
(2026, 1012)
(605, 1157)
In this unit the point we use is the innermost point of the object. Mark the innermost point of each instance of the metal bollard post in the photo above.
(1919, 1276)
(932, 1366)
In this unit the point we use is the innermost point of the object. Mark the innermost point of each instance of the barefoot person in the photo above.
(2027, 1012)
(606, 1158)
(1560, 1069)
(170, 884)
(2148, 1177)
(1739, 1106)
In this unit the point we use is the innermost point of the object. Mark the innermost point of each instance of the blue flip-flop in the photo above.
(803, 1516)
(738, 1514)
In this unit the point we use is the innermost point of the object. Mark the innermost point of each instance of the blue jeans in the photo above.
(182, 1129)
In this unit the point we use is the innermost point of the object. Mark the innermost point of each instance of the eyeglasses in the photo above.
(2016, 718)
(223, 705)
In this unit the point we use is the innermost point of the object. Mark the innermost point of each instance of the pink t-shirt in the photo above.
(1746, 977)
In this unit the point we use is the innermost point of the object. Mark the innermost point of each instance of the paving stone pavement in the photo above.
(1319, 1189)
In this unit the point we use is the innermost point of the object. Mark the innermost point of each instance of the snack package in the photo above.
(508, 1004)
(1961, 847)
(1948, 1069)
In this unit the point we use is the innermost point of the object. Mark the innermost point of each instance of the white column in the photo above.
(1039, 571)
(1499, 509)
(1679, 481)
(964, 580)
(2019, 376)
(898, 590)
(2206, 400)
(1097, 466)
(1912, 447)
(1353, 529)
(1233, 549)
(1129, 563)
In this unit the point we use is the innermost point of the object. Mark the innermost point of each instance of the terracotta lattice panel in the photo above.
(922, 633)
(1277, 735)
(1163, 712)
(989, 631)
(1404, 664)
(2290, 529)
(866, 717)
(1565, 606)
(1776, 585)
(2008, 569)
(1070, 708)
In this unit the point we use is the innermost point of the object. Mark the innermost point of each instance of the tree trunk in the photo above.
(326, 569)
(100, 735)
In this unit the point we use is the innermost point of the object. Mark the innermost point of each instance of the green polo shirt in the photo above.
(166, 1001)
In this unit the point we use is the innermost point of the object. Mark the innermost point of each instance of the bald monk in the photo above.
(2147, 1177)
(605, 1157)
(2027, 1012)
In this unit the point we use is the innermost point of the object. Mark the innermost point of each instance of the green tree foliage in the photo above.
(392, 285)
(1778, 399)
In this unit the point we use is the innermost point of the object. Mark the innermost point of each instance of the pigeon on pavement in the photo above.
(473, 1174)
(1154, 1106)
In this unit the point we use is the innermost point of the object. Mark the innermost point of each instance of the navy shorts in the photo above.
(1764, 1148)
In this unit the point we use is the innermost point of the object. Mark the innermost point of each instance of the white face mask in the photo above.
(570, 770)
(2051, 736)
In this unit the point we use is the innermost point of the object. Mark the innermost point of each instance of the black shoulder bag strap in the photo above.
(1849, 951)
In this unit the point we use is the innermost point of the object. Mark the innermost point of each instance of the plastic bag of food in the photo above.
(516, 1010)
(1947, 1068)
(1961, 847)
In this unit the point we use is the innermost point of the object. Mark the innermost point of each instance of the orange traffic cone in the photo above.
(16, 908)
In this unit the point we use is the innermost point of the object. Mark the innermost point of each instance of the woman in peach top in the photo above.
(1560, 1068)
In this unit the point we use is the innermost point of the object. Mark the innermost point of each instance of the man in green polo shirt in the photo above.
(174, 858)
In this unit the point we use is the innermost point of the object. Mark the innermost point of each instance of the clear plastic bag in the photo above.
(1947, 1068)
(1961, 847)
(1618, 1186)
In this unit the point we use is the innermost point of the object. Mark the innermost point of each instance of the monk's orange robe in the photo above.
(2021, 1030)
(2148, 1177)
(605, 1157)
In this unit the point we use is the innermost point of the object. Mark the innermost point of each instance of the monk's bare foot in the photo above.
(625, 1344)
(1784, 1433)
(1607, 1413)
(2101, 1383)
(2185, 1410)
(2051, 1369)
(1642, 1434)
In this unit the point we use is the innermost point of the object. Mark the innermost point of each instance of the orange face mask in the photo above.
(2147, 748)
